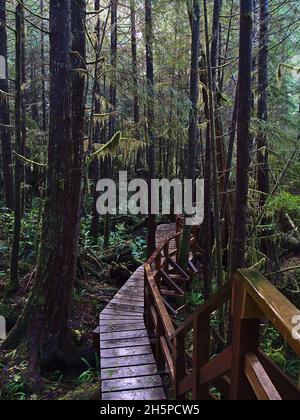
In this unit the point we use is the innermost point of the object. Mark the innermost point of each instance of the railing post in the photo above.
(158, 262)
(179, 364)
(160, 359)
(245, 339)
(201, 356)
(166, 255)
(147, 307)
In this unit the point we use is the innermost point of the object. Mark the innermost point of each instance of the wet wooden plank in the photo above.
(124, 343)
(128, 302)
(118, 321)
(144, 382)
(122, 327)
(112, 319)
(112, 311)
(145, 359)
(129, 372)
(129, 295)
(150, 394)
(128, 368)
(123, 335)
(126, 351)
(125, 308)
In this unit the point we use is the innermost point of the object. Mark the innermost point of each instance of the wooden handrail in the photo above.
(261, 384)
(215, 302)
(273, 305)
(159, 304)
(160, 249)
(242, 370)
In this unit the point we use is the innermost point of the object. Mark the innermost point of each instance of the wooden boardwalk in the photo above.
(128, 368)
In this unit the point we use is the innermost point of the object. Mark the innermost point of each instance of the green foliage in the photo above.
(91, 374)
(195, 298)
(15, 386)
(279, 352)
(283, 204)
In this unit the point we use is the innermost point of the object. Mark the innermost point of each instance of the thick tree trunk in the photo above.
(193, 122)
(5, 135)
(43, 326)
(150, 118)
(239, 236)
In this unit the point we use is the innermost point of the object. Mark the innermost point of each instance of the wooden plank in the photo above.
(145, 359)
(144, 341)
(122, 327)
(178, 268)
(128, 302)
(126, 351)
(261, 384)
(112, 311)
(129, 371)
(142, 382)
(132, 296)
(111, 319)
(123, 335)
(217, 367)
(170, 283)
(125, 308)
(150, 394)
(119, 321)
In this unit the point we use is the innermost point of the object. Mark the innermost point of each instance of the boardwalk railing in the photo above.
(242, 371)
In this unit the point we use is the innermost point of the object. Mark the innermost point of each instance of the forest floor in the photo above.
(99, 276)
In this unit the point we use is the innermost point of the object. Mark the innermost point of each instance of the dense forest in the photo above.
(179, 89)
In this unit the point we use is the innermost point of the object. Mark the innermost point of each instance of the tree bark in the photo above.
(43, 326)
(239, 236)
(150, 118)
(95, 131)
(193, 122)
(262, 107)
(19, 167)
(5, 135)
(113, 101)
(214, 161)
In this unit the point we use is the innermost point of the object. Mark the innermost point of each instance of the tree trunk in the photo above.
(212, 126)
(207, 225)
(43, 326)
(193, 122)
(262, 107)
(136, 106)
(43, 73)
(19, 167)
(5, 135)
(150, 118)
(113, 101)
(239, 236)
(95, 131)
